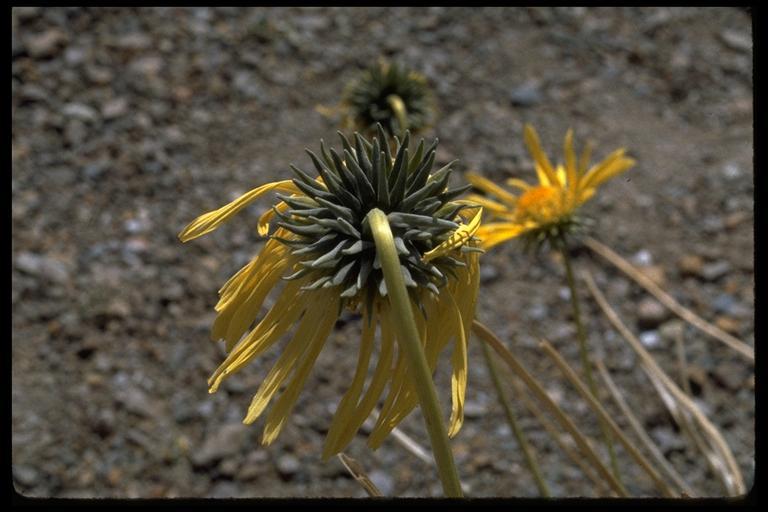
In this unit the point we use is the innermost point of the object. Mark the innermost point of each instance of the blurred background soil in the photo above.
(128, 123)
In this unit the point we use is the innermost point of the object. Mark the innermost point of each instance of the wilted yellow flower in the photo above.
(322, 253)
(390, 94)
(546, 210)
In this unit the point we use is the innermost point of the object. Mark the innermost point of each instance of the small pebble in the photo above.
(650, 314)
(383, 481)
(690, 265)
(728, 324)
(716, 270)
(80, 112)
(736, 40)
(288, 465)
(643, 258)
(526, 95)
(25, 475)
(732, 171)
(650, 339)
(730, 375)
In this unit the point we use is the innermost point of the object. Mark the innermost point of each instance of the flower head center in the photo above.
(540, 204)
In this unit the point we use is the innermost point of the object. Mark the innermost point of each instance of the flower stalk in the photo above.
(408, 337)
(581, 334)
(401, 113)
(530, 457)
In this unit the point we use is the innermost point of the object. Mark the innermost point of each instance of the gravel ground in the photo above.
(127, 123)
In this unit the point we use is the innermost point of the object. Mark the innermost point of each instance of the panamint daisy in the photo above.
(321, 257)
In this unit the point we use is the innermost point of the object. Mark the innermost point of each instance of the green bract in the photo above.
(334, 239)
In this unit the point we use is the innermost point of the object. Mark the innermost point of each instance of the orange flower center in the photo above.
(539, 204)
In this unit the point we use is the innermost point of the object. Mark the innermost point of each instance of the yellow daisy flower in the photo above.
(547, 210)
(321, 258)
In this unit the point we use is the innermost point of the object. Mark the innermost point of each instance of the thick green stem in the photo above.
(581, 334)
(530, 457)
(401, 113)
(409, 340)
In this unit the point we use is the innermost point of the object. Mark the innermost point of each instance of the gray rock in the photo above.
(473, 409)
(736, 40)
(99, 75)
(25, 475)
(715, 270)
(724, 303)
(229, 467)
(650, 314)
(732, 171)
(80, 112)
(225, 490)
(138, 402)
(45, 44)
(643, 258)
(730, 375)
(26, 13)
(134, 41)
(488, 273)
(246, 84)
(226, 441)
(75, 132)
(670, 331)
(114, 108)
(690, 265)
(254, 465)
(149, 65)
(526, 95)
(95, 170)
(650, 339)
(538, 311)
(383, 481)
(667, 439)
(43, 266)
(75, 55)
(34, 92)
(288, 465)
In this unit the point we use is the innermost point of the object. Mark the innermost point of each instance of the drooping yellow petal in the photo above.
(441, 327)
(246, 312)
(544, 168)
(400, 375)
(465, 295)
(241, 302)
(345, 411)
(207, 222)
(381, 376)
(459, 374)
(279, 413)
(286, 362)
(459, 237)
(490, 187)
(277, 321)
(236, 281)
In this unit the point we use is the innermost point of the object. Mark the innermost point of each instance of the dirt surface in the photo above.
(128, 123)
